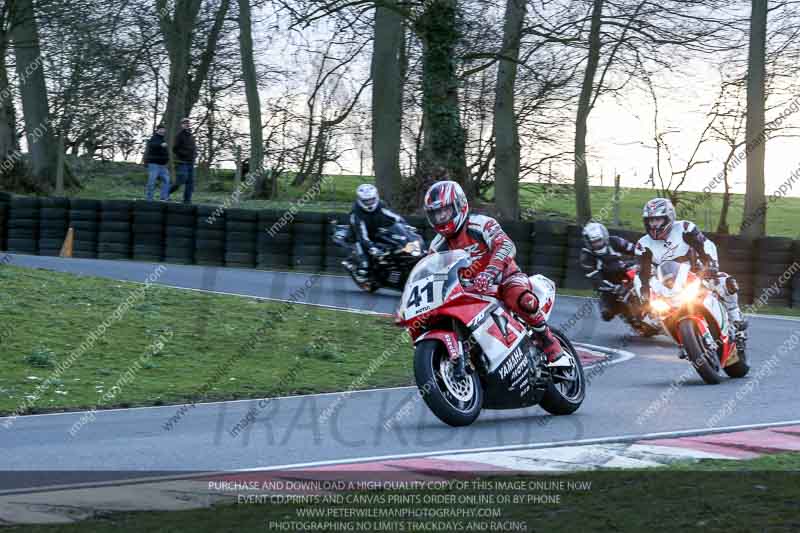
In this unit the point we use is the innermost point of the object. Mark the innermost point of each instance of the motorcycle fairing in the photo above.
(448, 338)
(511, 384)
(498, 333)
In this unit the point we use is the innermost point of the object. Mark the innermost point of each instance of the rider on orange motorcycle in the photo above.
(492, 253)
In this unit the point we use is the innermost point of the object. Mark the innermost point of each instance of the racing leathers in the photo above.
(685, 242)
(364, 225)
(493, 253)
(610, 266)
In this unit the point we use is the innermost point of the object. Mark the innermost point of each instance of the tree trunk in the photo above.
(387, 101)
(583, 203)
(722, 225)
(251, 88)
(178, 31)
(755, 215)
(506, 162)
(183, 90)
(35, 108)
(8, 139)
(443, 144)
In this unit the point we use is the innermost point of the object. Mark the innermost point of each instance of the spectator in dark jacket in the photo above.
(156, 158)
(185, 151)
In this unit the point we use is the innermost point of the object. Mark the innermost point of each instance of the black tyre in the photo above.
(702, 361)
(565, 394)
(456, 403)
(366, 286)
(738, 369)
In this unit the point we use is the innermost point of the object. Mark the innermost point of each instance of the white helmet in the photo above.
(595, 237)
(658, 217)
(367, 197)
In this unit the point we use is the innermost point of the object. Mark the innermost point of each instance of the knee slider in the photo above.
(731, 286)
(528, 302)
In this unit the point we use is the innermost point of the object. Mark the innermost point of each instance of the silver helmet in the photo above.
(367, 197)
(658, 217)
(595, 237)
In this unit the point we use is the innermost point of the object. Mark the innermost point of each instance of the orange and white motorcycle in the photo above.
(692, 313)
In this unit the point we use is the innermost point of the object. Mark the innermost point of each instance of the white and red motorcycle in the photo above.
(472, 354)
(692, 313)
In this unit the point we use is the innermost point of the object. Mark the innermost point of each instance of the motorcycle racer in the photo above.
(605, 255)
(668, 239)
(367, 216)
(492, 252)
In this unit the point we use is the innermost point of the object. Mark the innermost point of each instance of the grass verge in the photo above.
(47, 315)
(720, 496)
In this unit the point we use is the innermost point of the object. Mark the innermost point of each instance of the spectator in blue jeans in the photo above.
(185, 151)
(156, 158)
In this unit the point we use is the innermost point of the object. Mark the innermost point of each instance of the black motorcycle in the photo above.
(402, 248)
(628, 302)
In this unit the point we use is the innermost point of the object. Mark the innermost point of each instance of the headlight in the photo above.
(660, 307)
(690, 292)
(412, 248)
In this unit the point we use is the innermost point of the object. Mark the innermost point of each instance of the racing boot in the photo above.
(740, 334)
(542, 335)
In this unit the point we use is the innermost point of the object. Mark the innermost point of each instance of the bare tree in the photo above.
(754, 222)
(251, 87)
(35, 107)
(507, 147)
(388, 74)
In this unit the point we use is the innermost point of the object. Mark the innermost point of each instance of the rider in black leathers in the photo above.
(606, 255)
(368, 215)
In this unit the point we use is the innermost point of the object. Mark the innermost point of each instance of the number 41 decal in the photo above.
(416, 297)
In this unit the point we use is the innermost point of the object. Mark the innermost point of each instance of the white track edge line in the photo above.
(624, 356)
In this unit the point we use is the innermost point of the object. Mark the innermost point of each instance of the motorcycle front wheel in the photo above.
(566, 391)
(454, 402)
(699, 357)
(368, 286)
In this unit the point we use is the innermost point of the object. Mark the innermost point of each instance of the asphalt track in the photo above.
(653, 392)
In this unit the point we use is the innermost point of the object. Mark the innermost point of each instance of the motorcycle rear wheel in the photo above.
(565, 402)
(441, 393)
(697, 353)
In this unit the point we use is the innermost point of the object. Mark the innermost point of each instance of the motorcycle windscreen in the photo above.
(430, 282)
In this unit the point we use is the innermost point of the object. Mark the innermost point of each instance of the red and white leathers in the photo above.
(493, 255)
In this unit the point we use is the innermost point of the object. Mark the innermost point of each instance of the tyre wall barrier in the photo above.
(23, 225)
(241, 237)
(767, 270)
(796, 278)
(53, 225)
(180, 226)
(84, 219)
(5, 198)
(274, 240)
(148, 231)
(209, 233)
